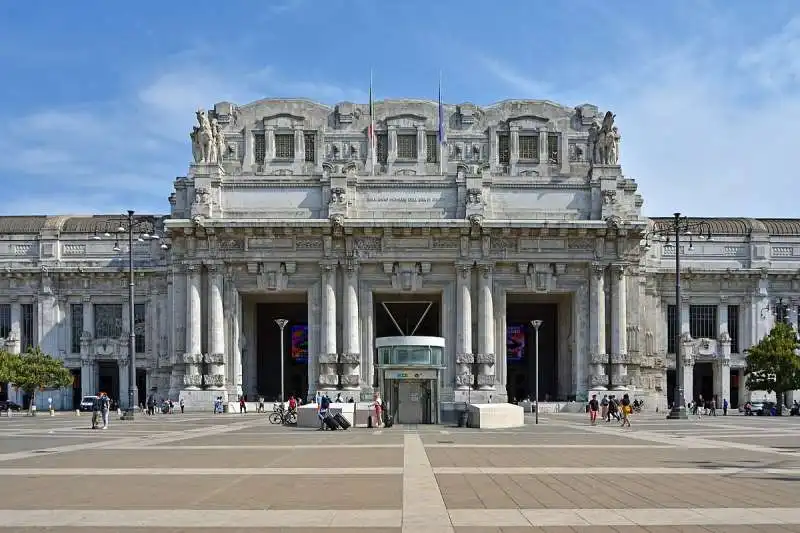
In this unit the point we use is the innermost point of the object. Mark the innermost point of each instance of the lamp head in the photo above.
(536, 324)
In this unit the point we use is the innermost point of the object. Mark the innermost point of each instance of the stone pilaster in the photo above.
(234, 359)
(464, 355)
(619, 328)
(328, 378)
(485, 357)
(351, 356)
(597, 327)
(215, 359)
(192, 358)
(124, 384)
(688, 367)
(87, 375)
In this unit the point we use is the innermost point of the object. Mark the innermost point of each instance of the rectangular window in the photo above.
(5, 320)
(382, 144)
(108, 321)
(28, 332)
(503, 150)
(672, 328)
(139, 328)
(552, 148)
(703, 321)
(407, 147)
(733, 327)
(310, 147)
(75, 327)
(259, 147)
(432, 149)
(284, 146)
(529, 147)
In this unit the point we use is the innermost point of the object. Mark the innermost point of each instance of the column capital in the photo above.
(619, 270)
(485, 269)
(350, 266)
(597, 270)
(328, 266)
(464, 269)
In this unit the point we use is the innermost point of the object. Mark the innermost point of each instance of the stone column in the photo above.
(597, 328)
(328, 378)
(367, 344)
(485, 356)
(14, 342)
(215, 379)
(744, 394)
(351, 355)
(299, 145)
(269, 144)
(464, 355)
(619, 329)
(124, 384)
(234, 359)
(688, 367)
(192, 358)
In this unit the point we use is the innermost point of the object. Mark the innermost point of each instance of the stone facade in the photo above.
(291, 198)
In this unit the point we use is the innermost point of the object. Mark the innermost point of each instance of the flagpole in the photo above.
(373, 145)
(441, 128)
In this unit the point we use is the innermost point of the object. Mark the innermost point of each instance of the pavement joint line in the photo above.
(557, 446)
(173, 436)
(393, 518)
(170, 471)
(611, 471)
(339, 446)
(423, 504)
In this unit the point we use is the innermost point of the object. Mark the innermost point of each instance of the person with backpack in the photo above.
(324, 405)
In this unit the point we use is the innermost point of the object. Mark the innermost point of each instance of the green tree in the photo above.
(35, 370)
(772, 364)
(6, 368)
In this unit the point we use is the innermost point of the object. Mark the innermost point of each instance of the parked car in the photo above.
(87, 403)
(6, 406)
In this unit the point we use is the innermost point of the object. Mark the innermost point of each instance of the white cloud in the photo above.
(707, 129)
(124, 154)
(511, 77)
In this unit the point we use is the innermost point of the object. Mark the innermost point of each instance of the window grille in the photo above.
(108, 321)
(703, 321)
(259, 147)
(407, 147)
(503, 150)
(733, 327)
(310, 147)
(552, 148)
(75, 327)
(432, 147)
(139, 329)
(382, 142)
(529, 147)
(28, 332)
(284, 146)
(5, 320)
(672, 328)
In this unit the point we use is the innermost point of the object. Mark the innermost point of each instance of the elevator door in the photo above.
(411, 398)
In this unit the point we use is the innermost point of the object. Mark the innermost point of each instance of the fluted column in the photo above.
(328, 378)
(192, 358)
(464, 356)
(597, 327)
(215, 378)
(351, 356)
(486, 356)
(619, 328)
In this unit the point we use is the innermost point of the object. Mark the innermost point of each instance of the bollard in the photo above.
(52, 412)
(369, 422)
(77, 412)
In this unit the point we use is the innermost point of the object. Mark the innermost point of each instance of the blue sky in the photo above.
(99, 96)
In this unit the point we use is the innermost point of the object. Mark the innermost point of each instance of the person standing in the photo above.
(724, 407)
(594, 405)
(378, 406)
(626, 410)
(105, 407)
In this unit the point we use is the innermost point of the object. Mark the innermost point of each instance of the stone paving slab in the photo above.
(371, 529)
(646, 457)
(332, 438)
(206, 492)
(573, 492)
(630, 529)
(166, 458)
(11, 445)
(524, 438)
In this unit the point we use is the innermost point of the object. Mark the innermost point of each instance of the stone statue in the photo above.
(204, 137)
(608, 141)
(594, 148)
(197, 151)
(219, 140)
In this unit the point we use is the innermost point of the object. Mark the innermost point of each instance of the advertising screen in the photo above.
(299, 345)
(515, 343)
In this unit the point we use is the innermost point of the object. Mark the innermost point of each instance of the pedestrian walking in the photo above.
(594, 405)
(626, 410)
(105, 406)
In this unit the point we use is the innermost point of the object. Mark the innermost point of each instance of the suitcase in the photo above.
(341, 420)
(331, 423)
(389, 421)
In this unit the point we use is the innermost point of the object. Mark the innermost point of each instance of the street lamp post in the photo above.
(145, 228)
(282, 324)
(676, 228)
(536, 325)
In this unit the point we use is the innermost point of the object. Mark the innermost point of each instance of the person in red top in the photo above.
(292, 403)
(593, 408)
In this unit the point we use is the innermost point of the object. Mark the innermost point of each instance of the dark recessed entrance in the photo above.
(520, 350)
(108, 379)
(268, 347)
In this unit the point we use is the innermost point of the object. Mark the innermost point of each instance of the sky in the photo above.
(99, 96)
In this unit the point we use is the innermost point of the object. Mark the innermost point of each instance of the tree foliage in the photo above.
(33, 371)
(772, 364)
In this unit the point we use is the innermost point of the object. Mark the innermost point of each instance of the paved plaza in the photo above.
(238, 473)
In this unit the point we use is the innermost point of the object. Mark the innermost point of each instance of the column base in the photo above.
(678, 413)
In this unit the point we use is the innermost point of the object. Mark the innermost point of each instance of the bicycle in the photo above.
(280, 415)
